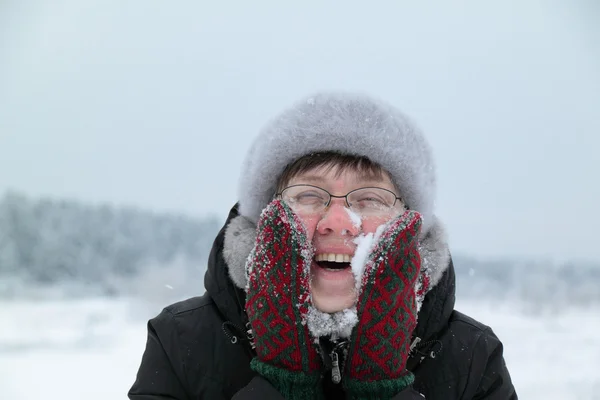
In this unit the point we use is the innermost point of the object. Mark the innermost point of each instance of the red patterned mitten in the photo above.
(278, 297)
(386, 308)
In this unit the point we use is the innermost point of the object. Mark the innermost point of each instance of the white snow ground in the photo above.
(90, 349)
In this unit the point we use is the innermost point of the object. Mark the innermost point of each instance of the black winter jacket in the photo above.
(196, 349)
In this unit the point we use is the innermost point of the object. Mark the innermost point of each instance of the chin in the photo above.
(332, 305)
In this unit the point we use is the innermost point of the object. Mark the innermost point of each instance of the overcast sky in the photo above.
(154, 103)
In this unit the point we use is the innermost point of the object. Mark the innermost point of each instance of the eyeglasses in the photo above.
(367, 201)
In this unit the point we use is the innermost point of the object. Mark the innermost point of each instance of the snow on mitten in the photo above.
(387, 314)
(278, 297)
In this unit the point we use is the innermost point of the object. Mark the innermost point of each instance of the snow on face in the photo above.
(356, 219)
(364, 247)
(364, 244)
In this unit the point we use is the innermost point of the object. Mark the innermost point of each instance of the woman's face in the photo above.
(333, 233)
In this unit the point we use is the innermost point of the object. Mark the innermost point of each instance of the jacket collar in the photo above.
(228, 298)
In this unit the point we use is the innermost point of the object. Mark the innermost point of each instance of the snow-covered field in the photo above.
(90, 349)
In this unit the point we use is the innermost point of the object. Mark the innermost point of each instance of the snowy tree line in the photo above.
(49, 243)
(87, 249)
(540, 284)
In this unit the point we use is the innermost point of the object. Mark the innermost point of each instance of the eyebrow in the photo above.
(312, 178)
(321, 179)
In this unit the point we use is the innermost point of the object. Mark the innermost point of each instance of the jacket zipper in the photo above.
(336, 375)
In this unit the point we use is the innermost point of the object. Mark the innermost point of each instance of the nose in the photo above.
(337, 220)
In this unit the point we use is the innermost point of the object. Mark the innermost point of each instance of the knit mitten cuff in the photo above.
(293, 385)
(377, 390)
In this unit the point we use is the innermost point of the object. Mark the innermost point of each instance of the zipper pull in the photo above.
(250, 335)
(414, 344)
(336, 376)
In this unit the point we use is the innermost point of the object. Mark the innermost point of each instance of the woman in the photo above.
(331, 278)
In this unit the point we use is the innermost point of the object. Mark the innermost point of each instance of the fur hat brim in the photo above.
(345, 123)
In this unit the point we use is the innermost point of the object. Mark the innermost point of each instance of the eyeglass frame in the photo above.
(345, 197)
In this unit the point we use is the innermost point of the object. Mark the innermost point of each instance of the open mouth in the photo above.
(333, 262)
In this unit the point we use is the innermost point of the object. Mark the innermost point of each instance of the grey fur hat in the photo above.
(347, 123)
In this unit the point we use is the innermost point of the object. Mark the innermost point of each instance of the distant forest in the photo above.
(85, 249)
(95, 249)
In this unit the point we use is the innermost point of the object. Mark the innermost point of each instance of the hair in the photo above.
(330, 160)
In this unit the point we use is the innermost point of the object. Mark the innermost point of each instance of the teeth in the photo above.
(332, 257)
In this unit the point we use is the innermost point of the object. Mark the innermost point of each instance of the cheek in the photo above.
(370, 224)
(310, 223)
